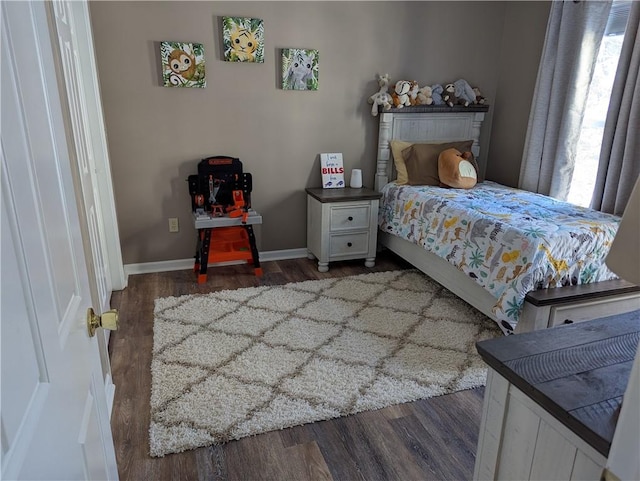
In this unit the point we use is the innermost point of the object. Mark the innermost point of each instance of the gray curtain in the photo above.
(619, 165)
(574, 33)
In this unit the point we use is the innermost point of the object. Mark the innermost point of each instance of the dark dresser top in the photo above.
(577, 373)
(345, 194)
(582, 292)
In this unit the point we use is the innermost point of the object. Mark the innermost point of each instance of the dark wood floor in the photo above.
(433, 439)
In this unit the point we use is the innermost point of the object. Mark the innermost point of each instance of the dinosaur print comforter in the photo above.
(509, 241)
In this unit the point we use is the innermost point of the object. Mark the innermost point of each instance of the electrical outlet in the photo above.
(173, 224)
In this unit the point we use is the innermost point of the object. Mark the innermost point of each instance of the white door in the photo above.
(83, 110)
(54, 418)
(69, 17)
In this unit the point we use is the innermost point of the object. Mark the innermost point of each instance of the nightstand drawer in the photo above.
(349, 244)
(349, 217)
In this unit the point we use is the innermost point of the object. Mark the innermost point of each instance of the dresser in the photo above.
(342, 224)
(553, 398)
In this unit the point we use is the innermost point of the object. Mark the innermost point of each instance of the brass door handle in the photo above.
(108, 320)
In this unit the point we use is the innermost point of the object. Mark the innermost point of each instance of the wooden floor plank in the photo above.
(444, 432)
(210, 463)
(398, 411)
(398, 460)
(433, 447)
(338, 448)
(296, 435)
(429, 439)
(311, 459)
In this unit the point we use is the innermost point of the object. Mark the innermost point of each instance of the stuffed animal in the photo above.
(480, 99)
(413, 93)
(449, 95)
(464, 92)
(382, 96)
(424, 96)
(436, 94)
(457, 169)
(400, 94)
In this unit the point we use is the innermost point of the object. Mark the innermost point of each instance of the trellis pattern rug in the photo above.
(241, 362)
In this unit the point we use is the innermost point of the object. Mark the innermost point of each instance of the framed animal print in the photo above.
(183, 64)
(243, 39)
(299, 69)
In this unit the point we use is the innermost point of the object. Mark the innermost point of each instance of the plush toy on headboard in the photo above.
(413, 93)
(464, 92)
(400, 94)
(436, 94)
(449, 95)
(424, 96)
(480, 99)
(382, 96)
(458, 93)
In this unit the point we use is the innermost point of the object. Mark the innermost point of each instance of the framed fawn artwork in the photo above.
(183, 64)
(299, 69)
(243, 39)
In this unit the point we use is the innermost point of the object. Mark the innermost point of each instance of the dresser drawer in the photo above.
(585, 311)
(349, 217)
(349, 244)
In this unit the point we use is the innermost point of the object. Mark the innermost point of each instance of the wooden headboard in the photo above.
(426, 124)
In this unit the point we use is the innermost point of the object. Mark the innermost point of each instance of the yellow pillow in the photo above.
(397, 146)
(457, 169)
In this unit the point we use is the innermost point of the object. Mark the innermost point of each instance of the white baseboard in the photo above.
(161, 266)
(282, 255)
(184, 264)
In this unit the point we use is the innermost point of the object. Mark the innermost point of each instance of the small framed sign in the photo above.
(332, 169)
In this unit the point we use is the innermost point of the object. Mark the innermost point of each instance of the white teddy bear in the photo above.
(400, 95)
(424, 96)
(382, 96)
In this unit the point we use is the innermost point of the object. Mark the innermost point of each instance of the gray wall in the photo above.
(525, 26)
(156, 135)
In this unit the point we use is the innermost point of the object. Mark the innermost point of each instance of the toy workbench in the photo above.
(222, 214)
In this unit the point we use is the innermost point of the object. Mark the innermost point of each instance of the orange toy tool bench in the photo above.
(222, 214)
(224, 239)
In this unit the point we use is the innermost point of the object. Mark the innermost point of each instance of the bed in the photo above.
(493, 245)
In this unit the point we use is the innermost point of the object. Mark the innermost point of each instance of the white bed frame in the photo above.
(444, 124)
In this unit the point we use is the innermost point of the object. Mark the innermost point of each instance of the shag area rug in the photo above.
(241, 362)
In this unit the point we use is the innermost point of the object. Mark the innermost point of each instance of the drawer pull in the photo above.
(568, 321)
(350, 218)
(349, 244)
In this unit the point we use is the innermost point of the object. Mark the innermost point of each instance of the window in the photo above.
(590, 141)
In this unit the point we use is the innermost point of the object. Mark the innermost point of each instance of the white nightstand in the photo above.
(342, 224)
